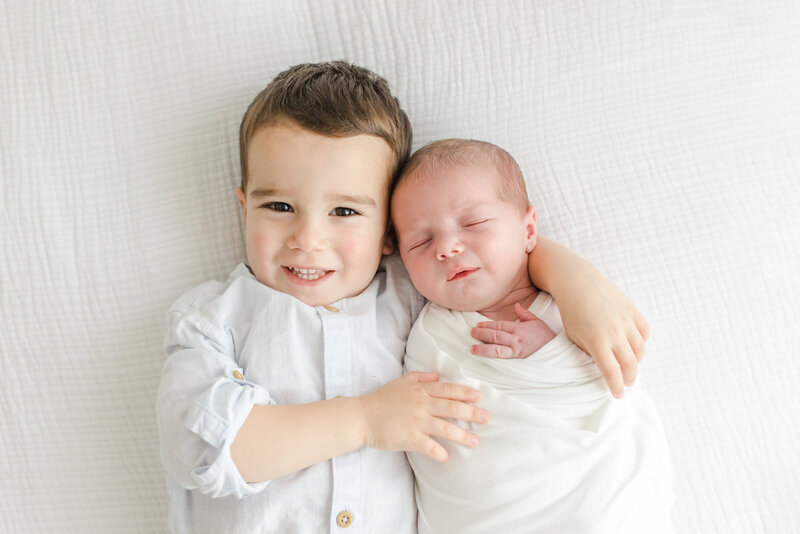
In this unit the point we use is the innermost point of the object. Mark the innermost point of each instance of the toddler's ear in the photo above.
(242, 200)
(530, 229)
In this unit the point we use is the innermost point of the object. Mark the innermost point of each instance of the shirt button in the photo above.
(344, 519)
(237, 375)
(331, 308)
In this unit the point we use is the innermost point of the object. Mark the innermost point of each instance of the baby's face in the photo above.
(316, 211)
(464, 247)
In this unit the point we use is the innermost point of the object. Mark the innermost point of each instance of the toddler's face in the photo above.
(464, 247)
(316, 211)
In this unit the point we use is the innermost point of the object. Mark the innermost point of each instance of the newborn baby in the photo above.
(560, 453)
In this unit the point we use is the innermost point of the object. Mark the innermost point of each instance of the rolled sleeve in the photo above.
(203, 400)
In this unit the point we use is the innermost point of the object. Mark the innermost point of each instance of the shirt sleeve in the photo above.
(202, 401)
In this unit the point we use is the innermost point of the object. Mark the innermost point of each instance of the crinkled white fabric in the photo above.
(658, 139)
(559, 453)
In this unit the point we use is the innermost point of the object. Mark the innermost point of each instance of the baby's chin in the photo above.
(454, 305)
(487, 309)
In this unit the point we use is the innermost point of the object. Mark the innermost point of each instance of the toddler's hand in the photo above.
(608, 327)
(406, 412)
(507, 339)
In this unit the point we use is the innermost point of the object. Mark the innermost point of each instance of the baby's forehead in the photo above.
(452, 174)
(453, 198)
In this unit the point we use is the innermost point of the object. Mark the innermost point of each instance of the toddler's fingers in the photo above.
(627, 363)
(421, 377)
(450, 409)
(637, 343)
(454, 392)
(609, 367)
(449, 431)
(642, 326)
(488, 350)
(432, 448)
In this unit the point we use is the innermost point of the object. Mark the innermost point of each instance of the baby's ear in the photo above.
(530, 229)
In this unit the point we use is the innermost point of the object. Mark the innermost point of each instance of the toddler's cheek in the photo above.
(361, 246)
(263, 236)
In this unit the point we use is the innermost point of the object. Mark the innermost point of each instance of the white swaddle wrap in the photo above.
(559, 453)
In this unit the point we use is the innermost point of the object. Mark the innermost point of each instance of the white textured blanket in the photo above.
(659, 140)
(559, 453)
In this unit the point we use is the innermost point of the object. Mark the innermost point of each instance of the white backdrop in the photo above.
(659, 139)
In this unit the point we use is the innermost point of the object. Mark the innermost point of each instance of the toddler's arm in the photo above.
(276, 440)
(219, 431)
(597, 316)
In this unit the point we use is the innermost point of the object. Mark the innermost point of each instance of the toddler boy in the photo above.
(560, 454)
(281, 406)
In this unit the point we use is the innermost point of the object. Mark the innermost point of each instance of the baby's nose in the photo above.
(448, 248)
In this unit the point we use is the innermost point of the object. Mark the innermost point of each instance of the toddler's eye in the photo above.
(281, 207)
(343, 212)
(475, 223)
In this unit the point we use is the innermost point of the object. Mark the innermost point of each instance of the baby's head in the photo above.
(464, 224)
(319, 148)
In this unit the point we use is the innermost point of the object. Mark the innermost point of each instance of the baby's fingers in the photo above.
(501, 326)
(523, 314)
(492, 351)
(491, 335)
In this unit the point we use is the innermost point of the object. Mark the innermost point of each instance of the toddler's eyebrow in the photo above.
(355, 199)
(261, 193)
(347, 199)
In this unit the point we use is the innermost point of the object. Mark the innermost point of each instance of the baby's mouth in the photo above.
(461, 272)
(307, 274)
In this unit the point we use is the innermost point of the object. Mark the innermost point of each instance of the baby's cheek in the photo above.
(422, 276)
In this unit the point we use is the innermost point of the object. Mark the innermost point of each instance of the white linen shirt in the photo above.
(235, 344)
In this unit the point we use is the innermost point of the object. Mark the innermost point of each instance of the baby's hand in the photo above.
(507, 339)
(406, 412)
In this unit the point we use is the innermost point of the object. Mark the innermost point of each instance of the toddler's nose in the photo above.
(308, 236)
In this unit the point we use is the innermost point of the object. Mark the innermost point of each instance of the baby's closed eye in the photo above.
(473, 224)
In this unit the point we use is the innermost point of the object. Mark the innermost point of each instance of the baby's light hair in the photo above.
(438, 156)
